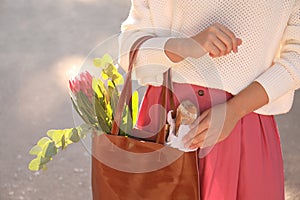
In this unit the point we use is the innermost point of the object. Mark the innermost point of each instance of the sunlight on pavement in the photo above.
(47, 94)
(66, 69)
(291, 193)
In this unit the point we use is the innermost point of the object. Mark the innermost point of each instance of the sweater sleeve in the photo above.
(284, 75)
(151, 59)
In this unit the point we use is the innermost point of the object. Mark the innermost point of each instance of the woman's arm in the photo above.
(251, 98)
(282, 77)
(217, 39)
(248, 100)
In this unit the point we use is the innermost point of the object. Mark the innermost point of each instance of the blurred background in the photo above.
(41, 44)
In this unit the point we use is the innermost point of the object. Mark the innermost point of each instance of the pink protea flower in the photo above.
(82, 82)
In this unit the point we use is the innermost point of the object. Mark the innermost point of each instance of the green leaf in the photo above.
(126, 124)
(83, 100)
(34, 165)
(104, 61)
(35, 150)
(114, 97)
(59, 137)
(63, 142)
(110, 70)
(43, 141)
(98, 62)
(104, 75)
(56, 136)
(38, 163)
(103, 90)
(102, 115)
(107, 59)
(129, 123)
(118, 78)
(110, 84)
(44, 160)
(96, 88)
(109, 112)
(109, 109)
(82, 114)
(135, 107)
(85, 108)
(74, 136)
(78, 112)
(49, 149)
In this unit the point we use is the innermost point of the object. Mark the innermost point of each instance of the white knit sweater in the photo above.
(269, 54)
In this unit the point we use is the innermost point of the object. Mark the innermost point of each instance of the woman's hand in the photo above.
(216, 123)
(212, 126)
(216, 39)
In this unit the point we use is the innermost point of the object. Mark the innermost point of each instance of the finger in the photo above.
(198, 140)
(202, 126)
(214, 50)
(230, 34)
(212, 138)
(226, 40)
(188, 138)
(207, 138)
(221, 46)
(195, 127)
(239, 42)
(213, 38)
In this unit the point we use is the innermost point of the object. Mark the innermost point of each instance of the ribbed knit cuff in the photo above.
(291, 33)
(276, 81)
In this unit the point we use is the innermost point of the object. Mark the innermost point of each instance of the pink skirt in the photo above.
(247, 165)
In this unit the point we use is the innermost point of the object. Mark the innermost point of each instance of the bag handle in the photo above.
(127, 85)
(126, 94)
(166, 93)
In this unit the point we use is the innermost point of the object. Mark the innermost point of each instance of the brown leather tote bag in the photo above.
(125, 168)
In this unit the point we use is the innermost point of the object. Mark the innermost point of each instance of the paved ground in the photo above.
(39, 42)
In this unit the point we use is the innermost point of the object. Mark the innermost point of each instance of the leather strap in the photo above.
(167, 94)
(127, 85)
(126, 94)
(170, 93)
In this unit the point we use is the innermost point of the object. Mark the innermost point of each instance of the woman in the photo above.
(249, 50)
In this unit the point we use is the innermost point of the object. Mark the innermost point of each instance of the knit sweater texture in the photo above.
(269, 54)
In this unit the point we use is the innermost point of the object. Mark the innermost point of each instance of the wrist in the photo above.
(248, 100)
(193, 48)
(175, 50)
(178, 49)
(233, 105)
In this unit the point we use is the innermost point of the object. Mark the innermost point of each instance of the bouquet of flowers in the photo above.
(95, 101)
